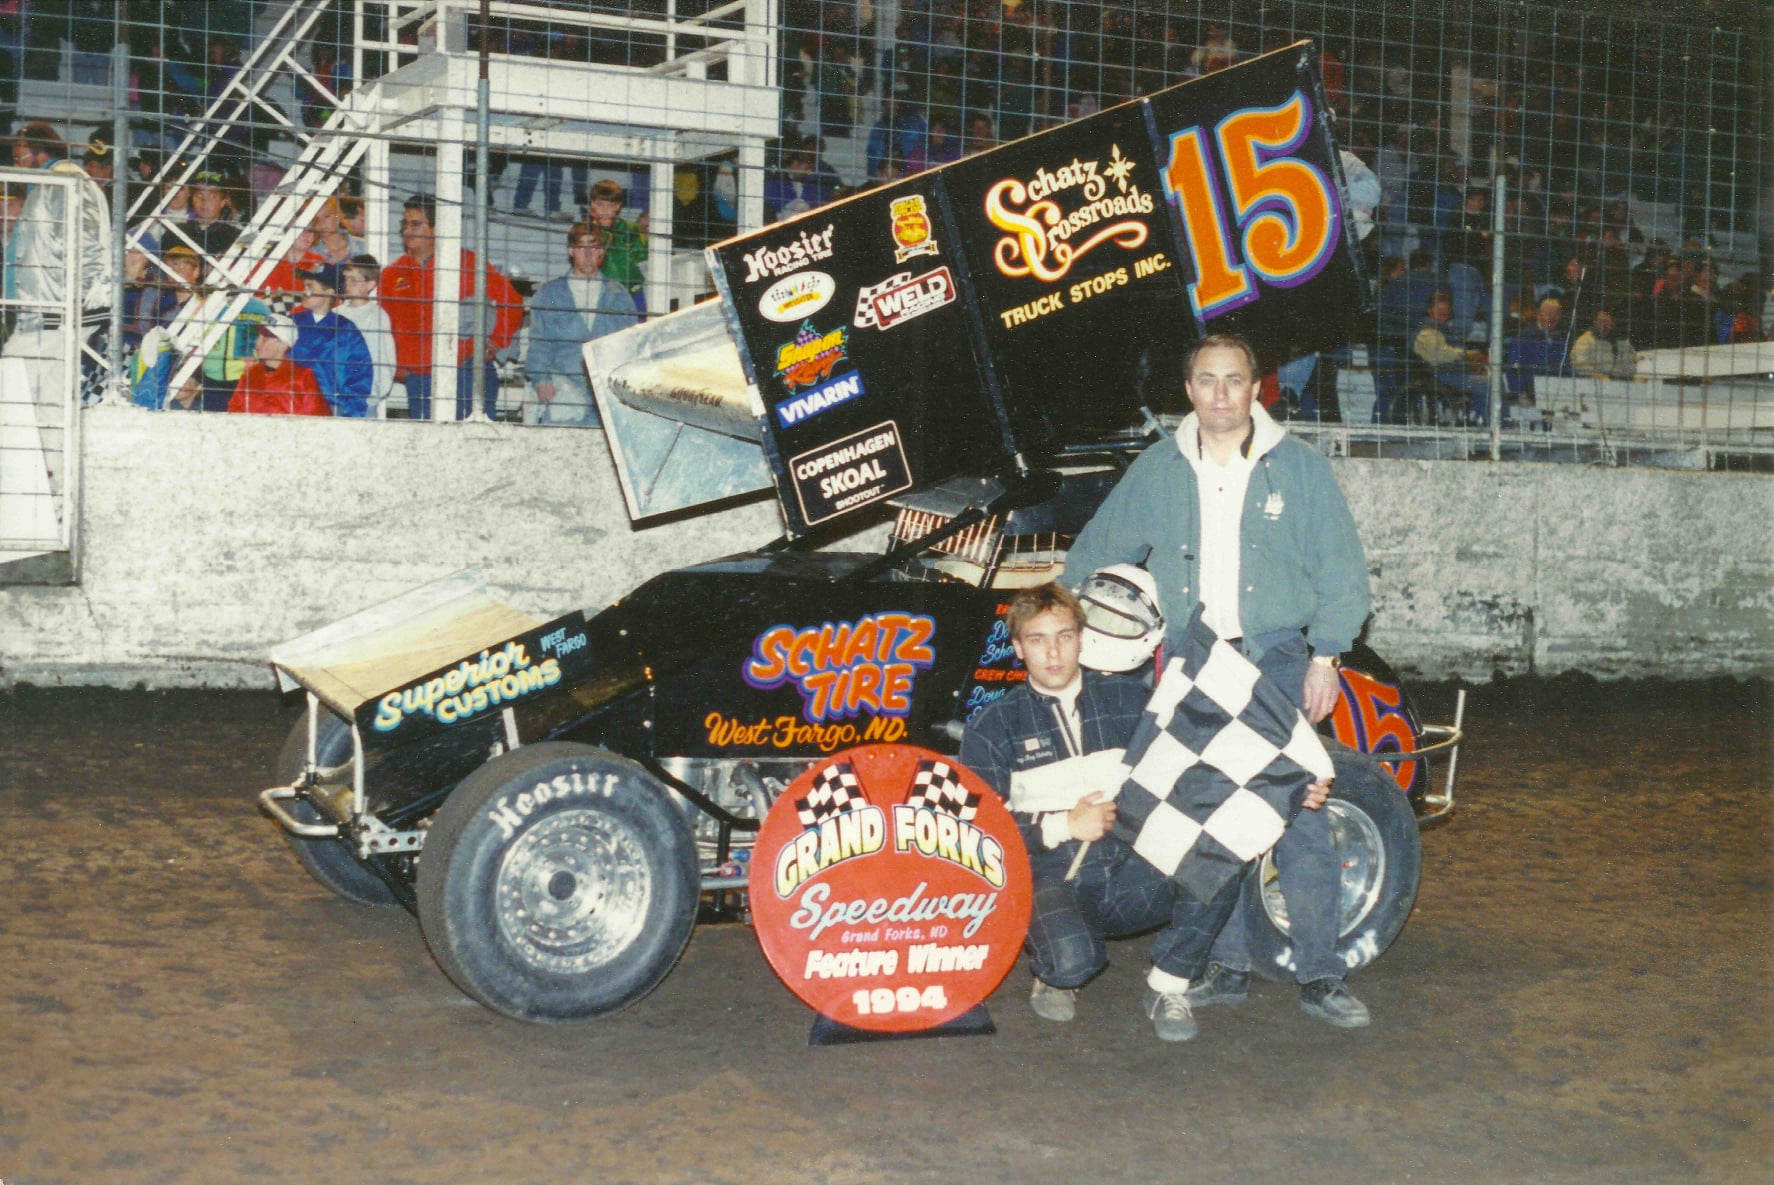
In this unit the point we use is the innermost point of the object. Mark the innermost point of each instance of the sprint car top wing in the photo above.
(1023, 297)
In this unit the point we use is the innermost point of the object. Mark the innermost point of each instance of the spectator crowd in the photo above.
(329, 330)
(1582, 136)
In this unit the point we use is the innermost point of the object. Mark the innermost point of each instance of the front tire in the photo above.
(1374, 833)
(329, 861)
(558, 882)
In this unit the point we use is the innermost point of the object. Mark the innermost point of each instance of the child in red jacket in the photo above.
(273, 385)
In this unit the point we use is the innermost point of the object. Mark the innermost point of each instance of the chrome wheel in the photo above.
(573, 891)
(1361, 853)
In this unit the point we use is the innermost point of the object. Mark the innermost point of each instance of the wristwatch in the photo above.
(1330, 660)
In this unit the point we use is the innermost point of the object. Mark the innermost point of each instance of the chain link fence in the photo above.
(1564, 207)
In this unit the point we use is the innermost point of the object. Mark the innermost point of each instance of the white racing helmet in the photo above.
(1122, 622)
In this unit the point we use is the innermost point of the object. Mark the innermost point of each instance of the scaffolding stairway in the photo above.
(708, 88)
(326, 155)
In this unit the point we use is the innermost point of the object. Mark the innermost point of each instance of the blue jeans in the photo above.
(1116, 894)
(527, 176)
(1293, 376)
(1389, 379)
(572, 404)
(419, 392)
(550, 176)
(1311, 876)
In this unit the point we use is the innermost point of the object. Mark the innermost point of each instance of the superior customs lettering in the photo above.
(469, 688)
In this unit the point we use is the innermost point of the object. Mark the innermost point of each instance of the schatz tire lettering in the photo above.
(509, 813)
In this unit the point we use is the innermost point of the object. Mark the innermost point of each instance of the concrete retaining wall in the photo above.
(210, 538)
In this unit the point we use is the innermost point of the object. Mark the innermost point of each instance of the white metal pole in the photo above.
(1494, 372)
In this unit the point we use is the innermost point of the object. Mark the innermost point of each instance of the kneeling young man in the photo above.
(1033, 747)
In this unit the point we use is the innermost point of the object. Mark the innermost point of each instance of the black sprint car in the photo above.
(560, 801)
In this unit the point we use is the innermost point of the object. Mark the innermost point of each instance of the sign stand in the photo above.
(975, 1022)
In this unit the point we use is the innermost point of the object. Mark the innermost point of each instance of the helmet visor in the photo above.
(1117, 608)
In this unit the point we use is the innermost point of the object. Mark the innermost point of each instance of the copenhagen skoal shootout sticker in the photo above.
(863, 467)
(890, 888)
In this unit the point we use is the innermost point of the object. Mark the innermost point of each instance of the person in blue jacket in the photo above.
(329, 345)
(1039, 748)
(567, 312)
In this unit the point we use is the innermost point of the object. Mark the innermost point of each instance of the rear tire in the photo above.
(329, 861)
(558, 882)
(1374, 832)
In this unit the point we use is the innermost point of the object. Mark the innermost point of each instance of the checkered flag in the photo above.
(935, 787)
(282, 301)
(835, 790)
(1217, 765)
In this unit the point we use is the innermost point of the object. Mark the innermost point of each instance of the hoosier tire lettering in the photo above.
(509, 813)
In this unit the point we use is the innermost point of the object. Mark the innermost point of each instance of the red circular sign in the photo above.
(890, 888)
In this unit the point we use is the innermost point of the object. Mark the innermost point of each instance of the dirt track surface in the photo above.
(1582, 995)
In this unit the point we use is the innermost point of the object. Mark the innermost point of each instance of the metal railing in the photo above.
(54, 309)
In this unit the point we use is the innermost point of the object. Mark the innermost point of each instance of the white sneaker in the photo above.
(1171, 1018)
(1052, 1003)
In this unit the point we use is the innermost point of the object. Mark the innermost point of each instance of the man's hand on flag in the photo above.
(1316, 793)
(1091, 818)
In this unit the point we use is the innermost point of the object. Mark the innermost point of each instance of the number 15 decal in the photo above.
(1285, 212)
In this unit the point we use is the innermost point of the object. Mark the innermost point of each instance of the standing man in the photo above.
(1034, 747)
(1238, 516)
(567, 312)
(407, 294)
(361, 276)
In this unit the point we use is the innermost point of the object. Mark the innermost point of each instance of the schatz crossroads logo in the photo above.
(1040, 234)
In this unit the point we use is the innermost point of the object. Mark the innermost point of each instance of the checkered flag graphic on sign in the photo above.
(1218, 763)
(865, 300)
(936, 787)
(835, 790)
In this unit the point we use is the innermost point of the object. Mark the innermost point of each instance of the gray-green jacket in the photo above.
(1301, 565)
